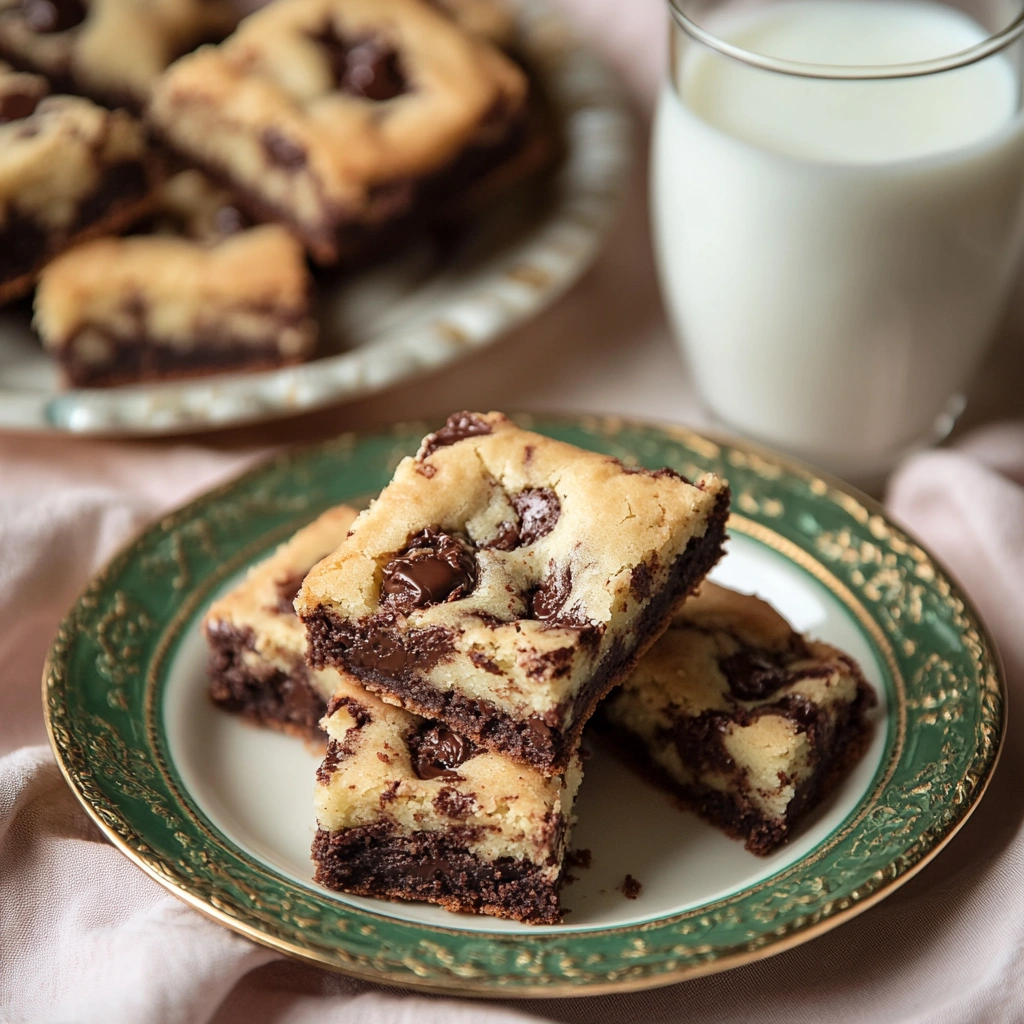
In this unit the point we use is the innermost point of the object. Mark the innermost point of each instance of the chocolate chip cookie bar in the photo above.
(408, 809)
(343, 118)
(503, 582)
(258, 646)
(109, 50)
(743, 717)
(120, 310)
(68, 170)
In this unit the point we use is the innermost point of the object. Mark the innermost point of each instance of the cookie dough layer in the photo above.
(407, 809)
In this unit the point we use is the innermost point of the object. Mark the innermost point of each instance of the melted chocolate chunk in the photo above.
(282, 151)
(460, 425)
(437, 751)
(435, 567)
(453, 804)
(538, 509)
(548, 600)
(287, 591)
(752, 674)
(15, 106)
(46, 16)
(367, 67)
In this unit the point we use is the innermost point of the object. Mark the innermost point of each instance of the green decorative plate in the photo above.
(221, 813)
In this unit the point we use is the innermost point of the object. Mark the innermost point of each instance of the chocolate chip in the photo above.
(437, 751)
(434, 567)
(547, 600)
(507, 538)
(641, 580)
(15, 106)
(538, 509)
(368, 67)
(752, 674)
(453, 804)
(282, 151)
(459, 426)
(46, 16)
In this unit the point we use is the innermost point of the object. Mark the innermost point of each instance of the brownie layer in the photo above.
(391, 661)
(267, 695)
(439, 867)
(140, 359)
(121, 198)
(839, 741)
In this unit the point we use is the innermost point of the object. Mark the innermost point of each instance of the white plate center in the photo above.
(256, 785)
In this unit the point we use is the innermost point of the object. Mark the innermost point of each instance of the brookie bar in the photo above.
(503, 582)
(258, 646)
(109, 50)
(119, 310)
(68, 170)
(343, 118)
(747, 720)
(406, 808)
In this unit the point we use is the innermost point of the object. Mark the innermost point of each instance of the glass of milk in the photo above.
(838, 210)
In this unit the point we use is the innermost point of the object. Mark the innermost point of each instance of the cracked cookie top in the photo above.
(491, 526)
(314, 104)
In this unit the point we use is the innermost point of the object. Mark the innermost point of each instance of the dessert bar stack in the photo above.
(321, 130)
(453, 639)
(495, 591)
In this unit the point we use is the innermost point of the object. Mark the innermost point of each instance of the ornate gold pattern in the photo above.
(125, 625)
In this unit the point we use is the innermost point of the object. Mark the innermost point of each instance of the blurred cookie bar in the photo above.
(68, 170)
(108, 50)
(120, 310)
(409, 809)
(742, 716)
(258, 646)
(343, 118)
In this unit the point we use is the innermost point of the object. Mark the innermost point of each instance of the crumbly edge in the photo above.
(140, 359)
(371, 860)
(547, 749)
(286, 701)
(730, 811)
(123, 211)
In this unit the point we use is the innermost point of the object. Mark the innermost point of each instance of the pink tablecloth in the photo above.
(85, 936)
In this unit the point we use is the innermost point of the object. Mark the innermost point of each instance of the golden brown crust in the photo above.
(265, 110)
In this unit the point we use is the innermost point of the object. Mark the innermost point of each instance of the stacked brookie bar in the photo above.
(327, 127)
(459, 633)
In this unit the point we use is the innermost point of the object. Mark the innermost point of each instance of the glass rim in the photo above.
(851, 72)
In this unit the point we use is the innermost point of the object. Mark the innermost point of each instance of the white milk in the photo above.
(835, 254)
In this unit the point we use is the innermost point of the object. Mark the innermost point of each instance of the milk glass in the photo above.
(838, 211)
